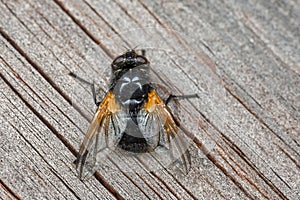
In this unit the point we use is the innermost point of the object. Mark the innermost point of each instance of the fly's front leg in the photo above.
(92, 85)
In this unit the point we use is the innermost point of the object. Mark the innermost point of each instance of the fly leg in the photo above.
(92, 85)
(143, 52)
(171, 97)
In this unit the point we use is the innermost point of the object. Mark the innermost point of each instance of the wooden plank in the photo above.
(242, 59)
(28, 142)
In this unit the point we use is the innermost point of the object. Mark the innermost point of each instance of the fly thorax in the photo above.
(132, 89)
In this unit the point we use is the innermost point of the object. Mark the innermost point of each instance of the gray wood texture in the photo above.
(241, 57)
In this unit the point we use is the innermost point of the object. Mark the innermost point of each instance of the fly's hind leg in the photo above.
(92, 85)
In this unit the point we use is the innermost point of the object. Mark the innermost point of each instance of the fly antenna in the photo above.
(126, 47)
(135, 47)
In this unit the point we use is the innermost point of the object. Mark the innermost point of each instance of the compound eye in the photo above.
(141, 60)
(118, 62)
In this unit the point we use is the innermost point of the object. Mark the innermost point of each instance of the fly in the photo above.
(132, 117)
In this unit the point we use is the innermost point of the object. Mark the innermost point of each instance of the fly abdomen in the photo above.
(132, 138)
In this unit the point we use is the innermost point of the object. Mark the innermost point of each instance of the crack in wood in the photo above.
(9, 190)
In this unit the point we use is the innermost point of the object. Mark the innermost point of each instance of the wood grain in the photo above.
(241, 58)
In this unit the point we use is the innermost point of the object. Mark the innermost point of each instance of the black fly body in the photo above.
(132, 117)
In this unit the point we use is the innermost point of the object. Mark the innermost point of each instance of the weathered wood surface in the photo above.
(242, 58)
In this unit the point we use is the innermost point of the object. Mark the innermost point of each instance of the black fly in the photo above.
(133, 118)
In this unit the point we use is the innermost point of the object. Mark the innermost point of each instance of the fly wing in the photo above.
(163, 134)
(104, 132)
